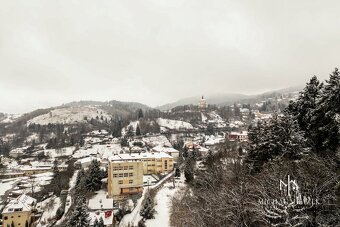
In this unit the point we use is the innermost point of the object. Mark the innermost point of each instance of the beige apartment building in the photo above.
(126, 171)
(18, 212)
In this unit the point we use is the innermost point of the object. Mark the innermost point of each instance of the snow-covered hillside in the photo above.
(9, 118)
(71, 115)
(132, 124)
(173, 124)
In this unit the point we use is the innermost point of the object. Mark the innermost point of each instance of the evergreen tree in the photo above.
(80, 175)
(325, 125)
(138, 133)
(79, 216)
(96, 223)
(147, 211)
(101, 222)
(55, 182)
(304, 109)
(140, 114)
(189, 169)
(280, 138)
(81, 180)
(306, 104)
(130, 132)
(55, 168)
(94, 177)
(177, 172)
(210, 129)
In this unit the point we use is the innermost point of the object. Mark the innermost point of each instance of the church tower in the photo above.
(202, 104)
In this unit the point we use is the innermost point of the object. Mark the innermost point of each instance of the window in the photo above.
(126, 167)
(115, 175)
(126, 174)
(120, 182)
(130, 167)
(5, 218)
(120, 167)
(121, 175)
(165, 164)
(130, 174)
(130, 181)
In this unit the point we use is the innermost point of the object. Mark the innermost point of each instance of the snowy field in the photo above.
(173, 124)
(154, 141)
(163, 203)
(53, 153)
(133, 218)
(102, 151)
(132, 124)
(9, 118)
(71, 115)
(49, 208)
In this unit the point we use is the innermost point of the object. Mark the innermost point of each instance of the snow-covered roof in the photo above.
(135, 156)
(243, 133)
(87, 160)
(165, 149)
(100, 204)
(21, 204)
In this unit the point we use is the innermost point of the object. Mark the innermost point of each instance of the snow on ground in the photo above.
(37, 181)
(9, 118)
(132, 124)
(32, 137)
(154, 141)
(10, 163)
(102, 151)
(163, 203)
(134, 217)
(72, 184)
(149, 180)
(212, 140)
(53, 153)
(71, 115)
(204, 118)
(173, 124)
(217, 119)
(49, 208)
(5, 186)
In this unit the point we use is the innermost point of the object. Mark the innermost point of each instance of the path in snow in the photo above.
(133, 218)
(163, 203)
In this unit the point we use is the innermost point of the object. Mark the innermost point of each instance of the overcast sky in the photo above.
(158, 51)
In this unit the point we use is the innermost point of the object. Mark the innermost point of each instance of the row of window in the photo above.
(121, 182)
(115, 168)
(122, 175)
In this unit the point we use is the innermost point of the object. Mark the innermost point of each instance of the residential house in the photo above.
(18, 212)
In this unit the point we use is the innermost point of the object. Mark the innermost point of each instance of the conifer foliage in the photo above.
(94, 177)
(79, 216)
(281, 137)
(148, 211)
(317, 111)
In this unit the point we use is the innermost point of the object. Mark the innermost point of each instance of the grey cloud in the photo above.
(157, 51)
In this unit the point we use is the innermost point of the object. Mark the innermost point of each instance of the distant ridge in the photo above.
(111, 108)
(228, 99)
